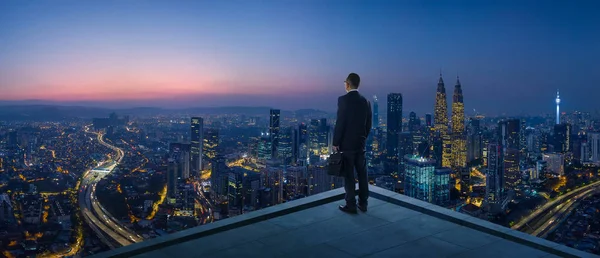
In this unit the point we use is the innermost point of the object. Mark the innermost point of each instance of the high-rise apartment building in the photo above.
(394, 128)
(197, 140)
(441, 125)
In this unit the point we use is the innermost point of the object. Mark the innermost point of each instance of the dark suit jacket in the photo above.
(353, 123)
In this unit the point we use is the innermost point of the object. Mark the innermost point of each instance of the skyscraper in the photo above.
(474, 140)
(197, 137)
(523, 145)
(211, 144)
(428, 120)
(405, 147)
(494, 186)
(419, 181)
(394, 127)
(562, 137)
(286, 148)
(173, 169)
(180, 152)
(375, 112)
(441, 124)
(413, 122)
(459, 143)
(219, 176)
(594, 142)
(508, 136)
(274, 131)
(264, 152)
(557, 108)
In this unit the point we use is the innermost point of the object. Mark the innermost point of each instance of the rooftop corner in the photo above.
(394, 226)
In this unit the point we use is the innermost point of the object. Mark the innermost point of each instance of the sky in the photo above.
(511, 57)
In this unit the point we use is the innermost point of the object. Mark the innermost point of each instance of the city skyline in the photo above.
(292, 55)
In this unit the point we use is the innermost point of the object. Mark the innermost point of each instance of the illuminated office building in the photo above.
(562, 138)
(286, 145)
(419, 178)
(375, 120)
(413, 122)
(495, 194)
(441, 189)
(173, 169)
(424, 182)
(211, 143)
(441, 126)
(594, 145)
(459, 142)
(274, 131)
(394, 128)
(474, 140)
(405, 148)
(509, 138)
(265, 149)
(555, 163)
(181, 152)
(197, 137)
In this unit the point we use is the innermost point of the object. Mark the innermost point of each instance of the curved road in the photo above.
(111, 221)
(552, 203)
(85, 204)
(559, 213)
(93, 211)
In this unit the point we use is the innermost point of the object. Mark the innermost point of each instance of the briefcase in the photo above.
(335, 164)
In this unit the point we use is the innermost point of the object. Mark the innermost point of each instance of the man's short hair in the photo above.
(354, 80)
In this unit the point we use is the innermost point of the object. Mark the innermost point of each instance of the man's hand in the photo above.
(336, 148)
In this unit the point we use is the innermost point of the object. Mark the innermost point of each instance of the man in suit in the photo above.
(352, 128)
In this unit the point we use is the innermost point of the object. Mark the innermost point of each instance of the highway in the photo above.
(85, 203)
(206, 206)
(545, 223)
(552, 205)
(94, 214)
(111, 221)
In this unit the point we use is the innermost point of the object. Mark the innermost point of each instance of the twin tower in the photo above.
(453, 149)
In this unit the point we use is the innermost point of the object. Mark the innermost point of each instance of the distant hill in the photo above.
(49, 112)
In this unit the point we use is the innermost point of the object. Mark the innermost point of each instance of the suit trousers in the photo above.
(356, 161)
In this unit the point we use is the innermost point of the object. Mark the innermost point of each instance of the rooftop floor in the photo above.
(394, 226)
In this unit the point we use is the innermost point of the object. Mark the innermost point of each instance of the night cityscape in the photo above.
(139, 150)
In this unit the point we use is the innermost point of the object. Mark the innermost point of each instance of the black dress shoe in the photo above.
(348, 209)
(362, 207)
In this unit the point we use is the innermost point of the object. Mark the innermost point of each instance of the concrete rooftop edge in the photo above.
(335, 195)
